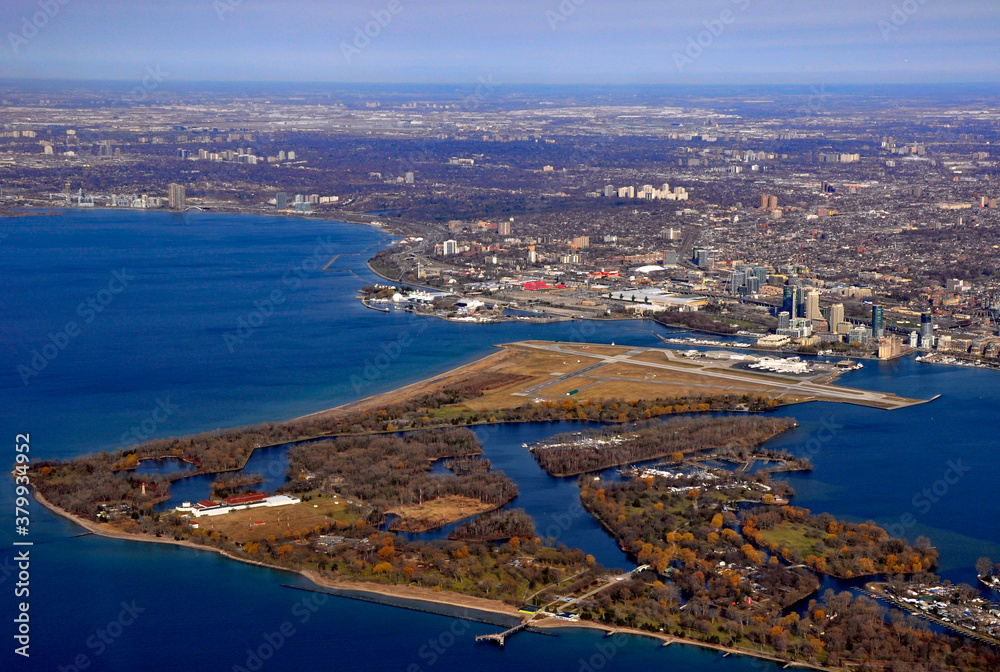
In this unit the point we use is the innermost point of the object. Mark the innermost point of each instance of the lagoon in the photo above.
(162, 342)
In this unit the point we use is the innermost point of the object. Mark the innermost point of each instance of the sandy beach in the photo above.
(414, 593)
(427, 386)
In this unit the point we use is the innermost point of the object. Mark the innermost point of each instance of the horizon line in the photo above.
(814, 82)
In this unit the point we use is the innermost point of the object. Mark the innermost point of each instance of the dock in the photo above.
(501, 637)
(372, 306)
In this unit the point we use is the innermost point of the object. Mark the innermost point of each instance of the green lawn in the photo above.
(793, 535)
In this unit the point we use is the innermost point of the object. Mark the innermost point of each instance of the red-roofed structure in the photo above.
(536, 285)
(236, 500)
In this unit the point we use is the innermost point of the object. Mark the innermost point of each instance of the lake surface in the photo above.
(167, 355)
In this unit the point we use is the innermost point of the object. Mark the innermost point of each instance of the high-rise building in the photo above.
(878, 322)
(450, 247)
(737, 282)
(784, 320)
(791, 300)
(609, 191)
(926, 330)
(503, 228)
(772, 203)
(860, 334)
(410, 177)
(812, 306)
(177, 196)
(281, 201)
(835, 315)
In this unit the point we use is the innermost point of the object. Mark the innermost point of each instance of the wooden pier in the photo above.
(501, 637)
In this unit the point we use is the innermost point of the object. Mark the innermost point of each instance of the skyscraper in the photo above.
(926, 330)
(177, 199)
(812, 306)
(281, 201)
(792, 300)
(878, 322)
(835, 316)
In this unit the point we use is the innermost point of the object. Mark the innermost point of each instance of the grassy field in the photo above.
(283, 521)
(541, 364)
(793, 535)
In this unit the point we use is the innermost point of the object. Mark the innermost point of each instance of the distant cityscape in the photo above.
(805, 231)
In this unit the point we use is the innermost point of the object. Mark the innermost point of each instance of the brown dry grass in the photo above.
(540, 366)
(437, 512)
(282, 522)
(662, 357)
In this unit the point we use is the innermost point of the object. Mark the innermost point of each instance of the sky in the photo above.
(508, 41)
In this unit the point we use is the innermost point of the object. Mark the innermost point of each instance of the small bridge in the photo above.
(500, 637)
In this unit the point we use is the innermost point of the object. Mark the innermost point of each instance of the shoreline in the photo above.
(555, 624)
(417, 593)
(421, 594)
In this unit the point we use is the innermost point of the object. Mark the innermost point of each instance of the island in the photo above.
(724, 560)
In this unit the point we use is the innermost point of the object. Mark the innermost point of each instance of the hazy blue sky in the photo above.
(511, 41)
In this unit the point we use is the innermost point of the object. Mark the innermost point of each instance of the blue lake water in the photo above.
(167, 355)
